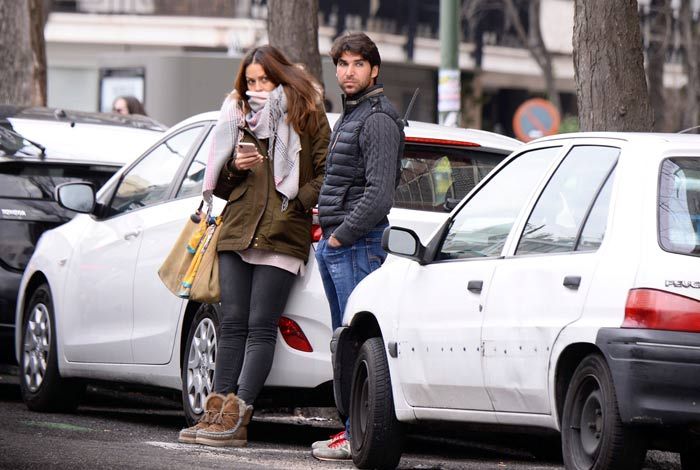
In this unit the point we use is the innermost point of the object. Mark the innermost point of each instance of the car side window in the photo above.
(553, 225)
(679, 205)
(430, 175)
(597, 222)
(192, 184)
(148, 181)
(481, 227)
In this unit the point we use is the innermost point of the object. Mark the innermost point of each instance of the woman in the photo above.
(128, 105)
(269, 152)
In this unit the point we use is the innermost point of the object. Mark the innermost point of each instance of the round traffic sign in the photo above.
(535, 118)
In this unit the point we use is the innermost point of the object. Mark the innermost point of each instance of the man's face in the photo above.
(354, 73)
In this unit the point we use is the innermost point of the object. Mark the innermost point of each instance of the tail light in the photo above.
(660, 310)
(316, 231)
(293, 335)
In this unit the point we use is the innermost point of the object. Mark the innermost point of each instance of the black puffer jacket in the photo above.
(362, 167)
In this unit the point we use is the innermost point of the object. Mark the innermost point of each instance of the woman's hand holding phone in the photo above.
(247, 156)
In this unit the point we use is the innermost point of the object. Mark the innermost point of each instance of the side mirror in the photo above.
(403, 242)
(78, 197)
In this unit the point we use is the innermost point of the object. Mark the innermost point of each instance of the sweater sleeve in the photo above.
(380, 139)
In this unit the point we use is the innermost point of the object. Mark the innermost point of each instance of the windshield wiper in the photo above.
(9, 136)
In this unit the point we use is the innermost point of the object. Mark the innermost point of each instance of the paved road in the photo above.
(132, 430)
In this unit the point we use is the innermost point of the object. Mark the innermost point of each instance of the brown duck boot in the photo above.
(212, 408)
(230, 427)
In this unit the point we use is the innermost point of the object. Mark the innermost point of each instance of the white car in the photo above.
(91, 305)
(562, 293)
(40, 148)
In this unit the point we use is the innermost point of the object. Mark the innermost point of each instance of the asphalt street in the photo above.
(123, 430)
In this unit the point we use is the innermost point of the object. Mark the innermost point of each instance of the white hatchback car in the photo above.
(91, 305)
(562, 293)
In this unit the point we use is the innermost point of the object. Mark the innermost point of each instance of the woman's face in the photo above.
(120, 106)
(256, 78)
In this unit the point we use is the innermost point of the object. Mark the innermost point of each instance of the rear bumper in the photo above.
(656, 375)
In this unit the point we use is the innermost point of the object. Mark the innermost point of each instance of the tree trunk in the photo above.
(22, 53)
(15, 53)
(535, 44)
(689, 38)
(37, 21)
(292, 27)
(659, 38)
(609, 67)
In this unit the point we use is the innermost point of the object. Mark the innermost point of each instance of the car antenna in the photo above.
(684, 131)
(409, 108)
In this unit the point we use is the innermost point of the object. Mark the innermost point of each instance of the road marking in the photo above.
(237, 450)
(61, 426)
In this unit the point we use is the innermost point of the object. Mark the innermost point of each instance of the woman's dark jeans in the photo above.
(252, 300)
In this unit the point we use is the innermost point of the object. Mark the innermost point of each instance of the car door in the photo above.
(156, 309)
(441, 307)
(100, 284)
(542, 286)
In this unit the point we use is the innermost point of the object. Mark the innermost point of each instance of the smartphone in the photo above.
(247, 147)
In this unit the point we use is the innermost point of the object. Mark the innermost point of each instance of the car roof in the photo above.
(416, 130)
(73, 136)
(651, 137)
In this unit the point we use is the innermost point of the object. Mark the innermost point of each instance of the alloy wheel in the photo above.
(200, 365)
(37, 341)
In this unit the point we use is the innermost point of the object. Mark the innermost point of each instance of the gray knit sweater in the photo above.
(361, 167)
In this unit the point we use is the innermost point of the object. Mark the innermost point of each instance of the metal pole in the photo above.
(449, 88)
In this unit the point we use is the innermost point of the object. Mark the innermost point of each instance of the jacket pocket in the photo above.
(237, 192)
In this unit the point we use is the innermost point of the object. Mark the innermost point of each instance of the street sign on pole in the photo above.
(535, 118)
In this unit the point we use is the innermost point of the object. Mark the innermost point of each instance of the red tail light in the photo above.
(659, 310)
(293, 335)
(316, 232)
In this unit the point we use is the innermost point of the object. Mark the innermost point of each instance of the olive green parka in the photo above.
(253, 217)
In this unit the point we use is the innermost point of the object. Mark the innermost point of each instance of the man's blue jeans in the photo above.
(344, 267)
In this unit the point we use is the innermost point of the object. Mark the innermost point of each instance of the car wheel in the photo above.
(593, 437)
(41, 384)
(375, 432)
(199, 362)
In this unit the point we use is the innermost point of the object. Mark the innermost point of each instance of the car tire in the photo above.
(198, 362)
(690, 455)
(41, 384)
(593, 436)
(375, 432)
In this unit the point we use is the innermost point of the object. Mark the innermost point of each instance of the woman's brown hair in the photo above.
(303, 97)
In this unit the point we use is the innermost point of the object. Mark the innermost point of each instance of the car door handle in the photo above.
(133, 234)
(475, 286)
(572, 282)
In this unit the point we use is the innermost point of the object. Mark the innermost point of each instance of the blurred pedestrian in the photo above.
(361, 175)
(128, 105)
(269, 146)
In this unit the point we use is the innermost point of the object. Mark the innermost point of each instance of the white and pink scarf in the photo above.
(268, 120)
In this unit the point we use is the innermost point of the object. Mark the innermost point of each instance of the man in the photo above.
(362, 169)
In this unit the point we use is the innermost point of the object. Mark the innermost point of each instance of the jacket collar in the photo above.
(354, 100)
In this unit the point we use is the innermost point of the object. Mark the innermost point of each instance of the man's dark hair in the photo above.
(356, 43)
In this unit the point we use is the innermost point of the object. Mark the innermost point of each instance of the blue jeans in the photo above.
(344, 267)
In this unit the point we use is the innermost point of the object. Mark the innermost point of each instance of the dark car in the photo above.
(39, 149)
